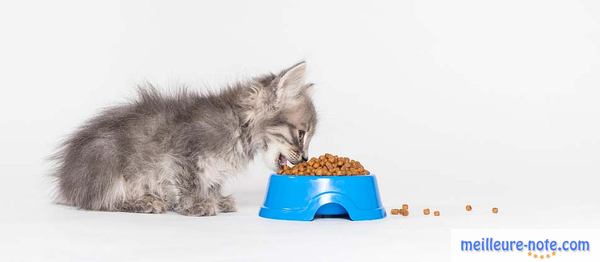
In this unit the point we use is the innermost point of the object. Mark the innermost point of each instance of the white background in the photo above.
(493, 103)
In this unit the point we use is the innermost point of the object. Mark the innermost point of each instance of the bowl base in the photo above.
(308, 197)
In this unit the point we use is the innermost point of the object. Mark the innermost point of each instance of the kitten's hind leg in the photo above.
(145, 204)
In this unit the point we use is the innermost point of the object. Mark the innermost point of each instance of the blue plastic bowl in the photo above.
(306, 197)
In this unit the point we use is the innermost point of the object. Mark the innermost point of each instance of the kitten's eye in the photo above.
(301, 134)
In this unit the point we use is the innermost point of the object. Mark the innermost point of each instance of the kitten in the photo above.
(164, 153)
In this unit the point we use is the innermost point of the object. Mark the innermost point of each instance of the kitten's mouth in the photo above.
(281, 161)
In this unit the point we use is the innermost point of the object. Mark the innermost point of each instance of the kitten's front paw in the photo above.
(204, 207)
(227, 204)
(145, 204)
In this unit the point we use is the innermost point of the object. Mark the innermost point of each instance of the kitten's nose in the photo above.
(304, 159)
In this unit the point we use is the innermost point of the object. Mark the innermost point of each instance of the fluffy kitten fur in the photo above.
(174, 152)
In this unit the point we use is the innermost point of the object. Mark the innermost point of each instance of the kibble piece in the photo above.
(495, 210)
(395, 211)
(436, 213)
(426, 211)
(469, 208)
(404, 212)
(404, 206)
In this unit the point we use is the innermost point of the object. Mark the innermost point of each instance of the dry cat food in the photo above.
(326, 165)
(426, 211)
(403, 211)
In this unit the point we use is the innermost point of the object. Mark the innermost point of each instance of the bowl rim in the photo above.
(286, 175)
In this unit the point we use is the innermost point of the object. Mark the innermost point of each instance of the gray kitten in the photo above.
(163, 153)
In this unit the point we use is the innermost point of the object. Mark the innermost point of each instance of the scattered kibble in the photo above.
(426, 211)
(326, 165)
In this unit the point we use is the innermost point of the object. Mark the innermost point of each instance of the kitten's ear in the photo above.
(292, 81)
(309, 88)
